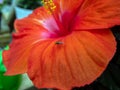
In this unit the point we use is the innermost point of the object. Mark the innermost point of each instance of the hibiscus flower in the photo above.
(65, 43)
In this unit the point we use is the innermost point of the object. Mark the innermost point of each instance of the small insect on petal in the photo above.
(59, 42)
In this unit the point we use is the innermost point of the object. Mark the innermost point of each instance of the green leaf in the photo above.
(2, 67)
(8, 82)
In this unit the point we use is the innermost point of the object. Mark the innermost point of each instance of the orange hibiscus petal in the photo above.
(78, 60)
(47, 20)
(96, 14)
(28, 32)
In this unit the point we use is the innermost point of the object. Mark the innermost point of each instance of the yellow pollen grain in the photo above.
(49, 5)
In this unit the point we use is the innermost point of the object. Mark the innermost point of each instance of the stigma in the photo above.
(49, 5)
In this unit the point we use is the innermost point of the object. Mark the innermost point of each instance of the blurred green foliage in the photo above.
(29, 4)
(5, 2)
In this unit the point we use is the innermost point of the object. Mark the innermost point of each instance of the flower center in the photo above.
(61, 30)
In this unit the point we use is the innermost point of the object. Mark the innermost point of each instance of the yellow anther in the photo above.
(49, 5)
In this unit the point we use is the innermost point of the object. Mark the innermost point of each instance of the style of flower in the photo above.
(65, 44)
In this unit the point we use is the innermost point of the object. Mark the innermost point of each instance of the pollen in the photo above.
(49, 5)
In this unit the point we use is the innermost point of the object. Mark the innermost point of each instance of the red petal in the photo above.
(96, 14)
(70, 5)
(28, 33)
(78, 60)
(68, 10)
